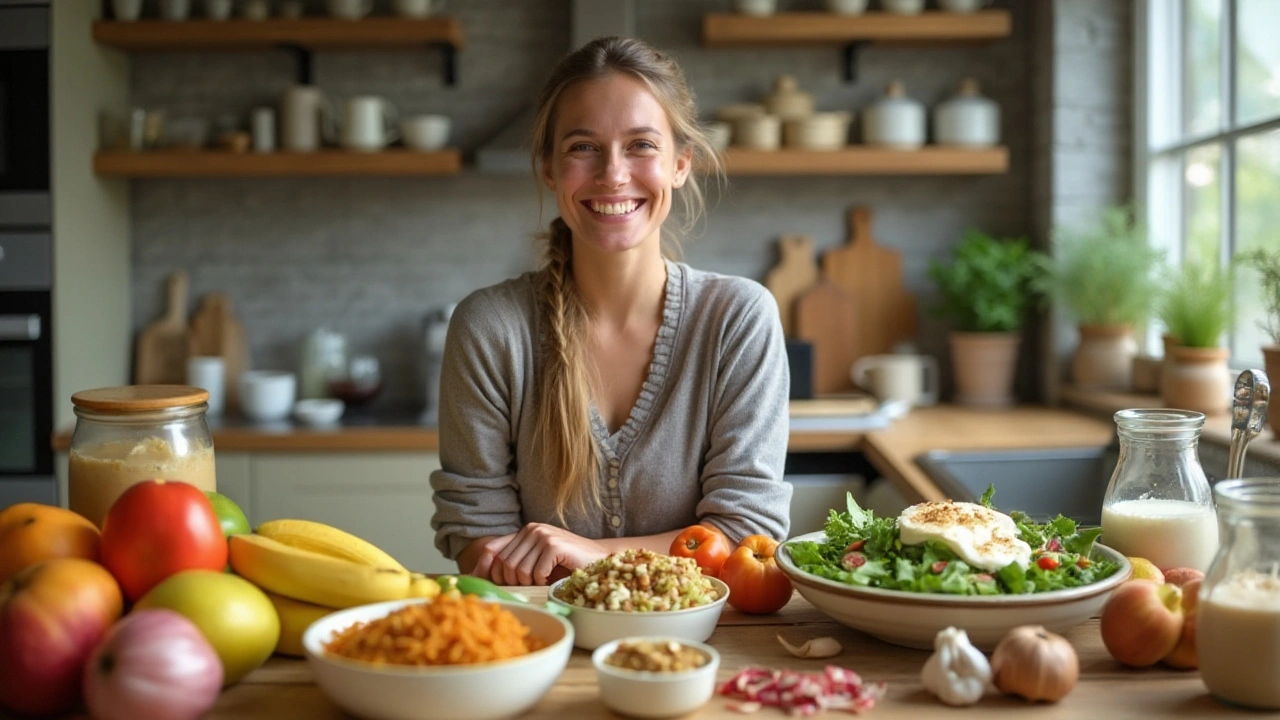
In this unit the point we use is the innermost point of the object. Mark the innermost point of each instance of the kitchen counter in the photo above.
(284, 688)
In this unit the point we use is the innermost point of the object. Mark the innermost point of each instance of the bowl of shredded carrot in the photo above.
(453, 657)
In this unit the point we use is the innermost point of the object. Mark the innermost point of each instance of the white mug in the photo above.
(909, 378)
(368, 123)
(425, 132)
(301, 114)
(217, 9)
(755, 7)
(418, 8)
(209, 372)
(350, 9)
(175, 9)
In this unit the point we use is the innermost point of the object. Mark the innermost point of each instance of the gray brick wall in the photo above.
(370, 256)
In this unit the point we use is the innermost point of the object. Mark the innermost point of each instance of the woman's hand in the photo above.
(532, 556)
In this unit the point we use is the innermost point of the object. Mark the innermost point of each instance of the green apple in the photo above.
(229, 514)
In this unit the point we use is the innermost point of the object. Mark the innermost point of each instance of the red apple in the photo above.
(1142, 622)
(52, 616)
(1184, 656)
(1182, 576)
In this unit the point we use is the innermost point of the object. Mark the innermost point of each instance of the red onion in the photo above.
(153, 665)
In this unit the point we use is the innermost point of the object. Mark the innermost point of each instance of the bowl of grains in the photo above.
(655, 677)
(639, 593)
(438, 659)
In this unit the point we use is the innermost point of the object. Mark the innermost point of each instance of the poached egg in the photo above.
(982, 537)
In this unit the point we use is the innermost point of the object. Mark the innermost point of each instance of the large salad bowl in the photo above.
(912, 619)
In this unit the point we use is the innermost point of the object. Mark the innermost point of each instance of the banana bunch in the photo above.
(321, 565)
(295, 617)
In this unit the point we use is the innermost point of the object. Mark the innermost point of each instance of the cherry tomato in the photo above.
(706, 545)
(1047, 562)
(756, 583)
(158, 528)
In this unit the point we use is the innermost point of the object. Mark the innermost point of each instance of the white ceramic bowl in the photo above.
(267, 395)
(655, 694)
(484, 691)
(593, 628)
(913, 619)
(319, 411)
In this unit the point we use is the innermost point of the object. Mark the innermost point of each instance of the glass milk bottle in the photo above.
(1238, 618)
(1158, 505)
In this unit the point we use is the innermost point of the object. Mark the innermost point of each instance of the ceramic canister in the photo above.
(894, 120)
(967, 118)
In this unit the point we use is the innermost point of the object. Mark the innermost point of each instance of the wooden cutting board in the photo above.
(796, 271)
(215, 331)
(826, 316)
(160, 357)
(871, 275)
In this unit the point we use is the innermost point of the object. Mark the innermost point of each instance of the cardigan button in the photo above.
(615, 521)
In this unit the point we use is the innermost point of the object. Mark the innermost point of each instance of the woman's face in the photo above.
(614, 163)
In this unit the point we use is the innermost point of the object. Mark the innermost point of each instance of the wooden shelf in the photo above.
(862, 160)
(804, 28)
(329, 163)
(310, 33)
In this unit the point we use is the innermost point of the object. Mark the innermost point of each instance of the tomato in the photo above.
(31, 533)
(756, 583)
(52, 616)
(706, 545)
(158, 528)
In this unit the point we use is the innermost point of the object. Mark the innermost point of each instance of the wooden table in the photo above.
(283, 688)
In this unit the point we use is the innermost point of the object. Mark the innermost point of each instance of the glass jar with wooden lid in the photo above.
(128, 434)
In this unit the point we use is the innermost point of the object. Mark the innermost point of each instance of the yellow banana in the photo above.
(327, 540)
(295, 617)
(319, 579)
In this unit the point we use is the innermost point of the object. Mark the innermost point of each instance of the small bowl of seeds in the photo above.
(654, 676)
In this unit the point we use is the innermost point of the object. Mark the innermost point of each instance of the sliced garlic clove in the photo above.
(823, 647)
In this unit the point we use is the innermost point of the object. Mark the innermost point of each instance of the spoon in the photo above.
(1248, 414)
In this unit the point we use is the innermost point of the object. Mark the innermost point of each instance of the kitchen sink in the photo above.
(1040, 482)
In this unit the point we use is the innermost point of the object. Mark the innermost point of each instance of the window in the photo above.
(1207, 164)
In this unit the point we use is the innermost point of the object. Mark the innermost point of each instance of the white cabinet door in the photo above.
(383, 497)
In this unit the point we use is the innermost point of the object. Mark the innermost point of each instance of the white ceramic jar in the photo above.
(967, 118)
(894, 120)
(787, 100)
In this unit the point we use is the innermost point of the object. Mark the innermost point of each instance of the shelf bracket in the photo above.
(851, 52)
(304, 67)
(450, 56)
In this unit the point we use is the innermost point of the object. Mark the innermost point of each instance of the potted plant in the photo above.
(987, 288)
(1268, 264)
(1196, 308)
(1104, 275)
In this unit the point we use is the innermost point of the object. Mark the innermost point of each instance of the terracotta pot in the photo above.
(1169, 342)
(1271, 355)
(985, 365)
(1199, 379)
(1104, 358)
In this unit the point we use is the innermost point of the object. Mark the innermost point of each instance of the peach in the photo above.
(1184, 656)
(1142, 622)
(1181, 576)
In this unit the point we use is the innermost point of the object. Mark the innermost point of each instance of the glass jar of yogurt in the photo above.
(1238, 616)
(127, 434)
(1158, 505)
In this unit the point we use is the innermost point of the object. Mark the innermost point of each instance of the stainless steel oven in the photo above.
(26, 257)
(24, 114)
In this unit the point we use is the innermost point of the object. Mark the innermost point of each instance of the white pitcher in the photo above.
(910, 378)
(369, 123)
(302, 114)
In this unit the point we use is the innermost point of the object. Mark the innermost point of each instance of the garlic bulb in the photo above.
(957, 672)
(823, 647)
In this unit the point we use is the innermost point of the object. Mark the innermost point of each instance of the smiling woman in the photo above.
(615, 396)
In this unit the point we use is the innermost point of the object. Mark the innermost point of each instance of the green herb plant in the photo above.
(1197, 306)
(1267, 263)
(989, 283)
(1105, 274)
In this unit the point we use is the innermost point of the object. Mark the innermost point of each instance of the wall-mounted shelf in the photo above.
(218, 163)
(861, 160)
(853, 31)
(302, 36)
